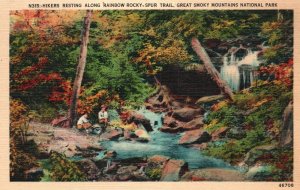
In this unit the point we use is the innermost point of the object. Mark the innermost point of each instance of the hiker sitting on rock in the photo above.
(103, 116)
(83, 122)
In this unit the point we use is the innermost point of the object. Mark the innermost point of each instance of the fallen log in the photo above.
(200, 51)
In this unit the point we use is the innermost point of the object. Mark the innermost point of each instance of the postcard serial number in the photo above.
(286, 185)
(49, 5)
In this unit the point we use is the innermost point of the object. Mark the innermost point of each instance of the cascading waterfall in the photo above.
(230, 72)
(239, 73)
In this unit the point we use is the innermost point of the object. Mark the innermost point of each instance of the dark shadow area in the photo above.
(190, 84)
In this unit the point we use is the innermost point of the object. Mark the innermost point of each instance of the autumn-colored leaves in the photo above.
(282, 72)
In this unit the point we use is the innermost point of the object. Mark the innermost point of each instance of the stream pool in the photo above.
(165, 144)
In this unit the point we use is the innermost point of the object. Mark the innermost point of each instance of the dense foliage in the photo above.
(257, 111)
(22, 151)
(63, 169)
(126, 51)
(126, 48)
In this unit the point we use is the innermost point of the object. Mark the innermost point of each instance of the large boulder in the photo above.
(131, 173)
(167, 129)
(194, 124)
(171, 125)
(90, 152)
(187, 114)
(260, 173)
(258, 152)
(176, 105)
(89, 168)
(213, 174)
(158, 159)
(195, 136)
(170, 122)
(113, 134)
(173, 170)
(142, 135)
(139, 119)
(154, 167)
(61, 121)
(125, 173)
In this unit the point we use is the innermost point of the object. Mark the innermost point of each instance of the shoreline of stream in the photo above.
(117, 151)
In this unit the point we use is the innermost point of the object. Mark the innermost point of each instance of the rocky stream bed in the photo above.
(166, 148)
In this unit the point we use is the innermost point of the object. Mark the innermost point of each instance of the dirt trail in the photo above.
(62, 140)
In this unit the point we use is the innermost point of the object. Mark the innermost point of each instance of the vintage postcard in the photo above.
(149, 94)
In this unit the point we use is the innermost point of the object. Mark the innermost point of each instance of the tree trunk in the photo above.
(200, 51)
(80, 68)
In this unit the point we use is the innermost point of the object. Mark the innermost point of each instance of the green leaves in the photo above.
(261, 124)
(63, 169)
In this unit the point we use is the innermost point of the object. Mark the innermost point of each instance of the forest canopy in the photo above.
(126, 49)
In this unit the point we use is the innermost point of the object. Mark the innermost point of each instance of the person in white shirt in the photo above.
(83, 122)
(103, 116)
